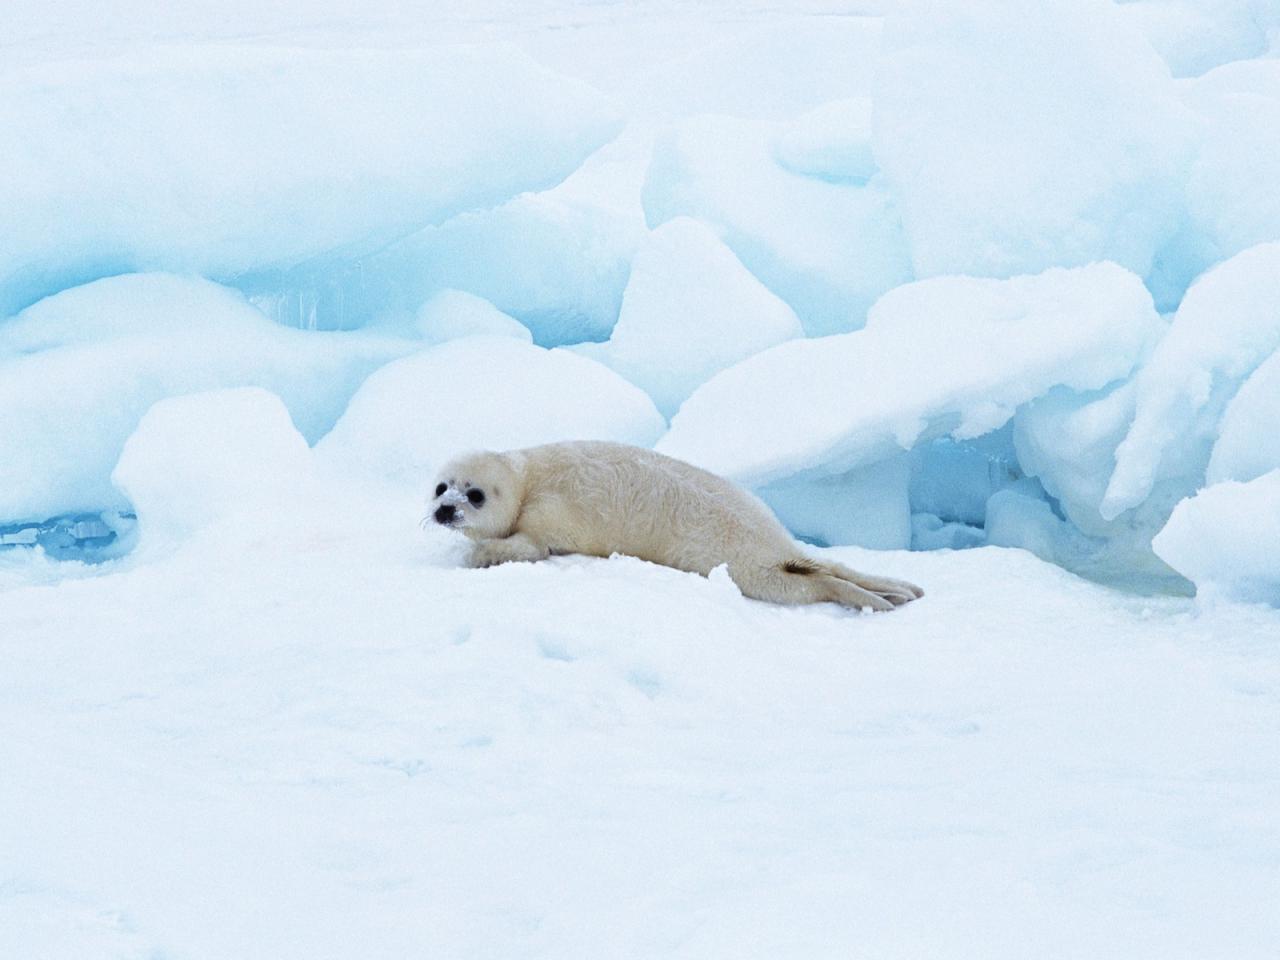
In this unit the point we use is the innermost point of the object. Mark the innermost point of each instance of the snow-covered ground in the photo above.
(335, 744)
(993, 281)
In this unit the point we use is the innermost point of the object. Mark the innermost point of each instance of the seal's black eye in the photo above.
(440, 489)
(476, 497)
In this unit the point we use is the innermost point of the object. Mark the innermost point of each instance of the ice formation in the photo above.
(690, 309)
(951, 356)
(272, 160)
(928, 275)
(79, 369)
(1227, 325)
(1226, 539)
(828, 249)
(1021, 138)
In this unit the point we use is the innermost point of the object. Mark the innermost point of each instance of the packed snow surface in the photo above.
(327, 740)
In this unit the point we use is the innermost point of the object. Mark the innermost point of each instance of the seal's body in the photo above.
(600, 498)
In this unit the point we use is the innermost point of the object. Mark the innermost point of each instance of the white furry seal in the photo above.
(605, 498)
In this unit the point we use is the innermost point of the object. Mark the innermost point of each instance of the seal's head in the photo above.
(479, 494)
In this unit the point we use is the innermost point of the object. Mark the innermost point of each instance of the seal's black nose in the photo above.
(444, 513)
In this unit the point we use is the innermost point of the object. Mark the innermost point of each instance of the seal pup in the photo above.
(598, 499)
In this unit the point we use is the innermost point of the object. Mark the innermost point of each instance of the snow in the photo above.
(989, 287)
(690, 309)
(79, 369)
(1226, 326)
(950, 356)
(1225, 539)
(1021, 137)
(333, 742)
(828, 249)
(270, 156)
(480, 393)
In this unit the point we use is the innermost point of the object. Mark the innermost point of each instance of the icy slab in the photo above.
(690, 309)
(79, 369)
(452, 314)
(1230, 195)
(481, 393)
(556, 260)
(1194, 36)
(1248, 443)
(1227, 325)
(827, 249)
(1227, 540)
(951, 356)
(1019, 137)
(206, 457)
(832, 142)
(269, 156)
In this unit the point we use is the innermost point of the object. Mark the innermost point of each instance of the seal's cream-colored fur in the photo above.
(605, 498)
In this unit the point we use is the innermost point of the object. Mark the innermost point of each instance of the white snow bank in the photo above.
(828, 249)
(690, 309)
(1227, 540)
(1228, 323)
(1022, 136)
(866, 507)
(948, 356)
(204, 457)
(79, 369)
(481, 393)
(832, 141)
(224, 159)
(1248, 443)
(451, 314)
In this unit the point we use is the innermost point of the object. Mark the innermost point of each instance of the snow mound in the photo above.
(832, 142)
(270, 156)
(1248, 443)
(948, 356)
(205, 457)
(1227, 325)
(1227, 540)
(79, 369)
(451, 314)
(828, 249)
(1006, 161)
(689, 310)
(481, 393)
